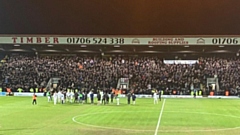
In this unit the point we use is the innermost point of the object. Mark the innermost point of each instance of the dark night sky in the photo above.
(120, 17)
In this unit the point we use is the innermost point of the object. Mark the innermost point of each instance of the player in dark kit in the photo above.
(112, 96)
(99, 98)
(76, 97)
(194, 93)
(85, 96)
(134, 98)
(160, 95)
(239, 93)
(104, 98)
(107, 98)
(129, 98)
(91, 97)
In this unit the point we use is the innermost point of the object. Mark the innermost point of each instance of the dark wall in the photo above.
(144, 17)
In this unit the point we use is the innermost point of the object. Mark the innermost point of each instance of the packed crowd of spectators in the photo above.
(144, 73)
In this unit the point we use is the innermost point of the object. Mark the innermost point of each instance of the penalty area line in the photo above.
(160, 117)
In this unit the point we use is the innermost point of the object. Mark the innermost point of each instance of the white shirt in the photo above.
(71, 94)
(62, 96)
(155, 95)
(101, 93)
(55, 95)
(59, 94)
(68, 94)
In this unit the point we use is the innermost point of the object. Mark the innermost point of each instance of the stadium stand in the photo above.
(28, 72)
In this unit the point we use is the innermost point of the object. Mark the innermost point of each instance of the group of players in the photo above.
(82, 97)
(102, 97)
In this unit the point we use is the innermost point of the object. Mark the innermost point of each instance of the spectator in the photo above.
(145, 73)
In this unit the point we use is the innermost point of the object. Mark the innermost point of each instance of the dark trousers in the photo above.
(103, 101)
(111, 100)
(160, 97)
(34, 101)
(91, 100)
(76, 100)
(129, 101)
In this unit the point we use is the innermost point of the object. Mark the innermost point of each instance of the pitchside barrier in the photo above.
(27, 94)
(122, 95)
(2, 93)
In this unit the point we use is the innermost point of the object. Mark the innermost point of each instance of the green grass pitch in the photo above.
(179, 117)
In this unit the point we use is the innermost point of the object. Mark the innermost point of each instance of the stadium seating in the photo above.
(145, 73)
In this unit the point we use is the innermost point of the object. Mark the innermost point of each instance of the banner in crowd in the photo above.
(180, 61)
(120, 40)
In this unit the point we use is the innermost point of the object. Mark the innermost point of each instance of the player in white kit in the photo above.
(101, 93)
(155, 97)
(71, 96)
(118, 99)
(68, 96)
(59, 96)
(55, 97)
(62, 98)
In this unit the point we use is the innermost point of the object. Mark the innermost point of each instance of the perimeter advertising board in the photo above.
(120, 40)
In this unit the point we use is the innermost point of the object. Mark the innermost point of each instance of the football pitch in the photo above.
(169, 117)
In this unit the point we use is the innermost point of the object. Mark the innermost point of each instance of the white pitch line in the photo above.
(160, 117)
(161, 131)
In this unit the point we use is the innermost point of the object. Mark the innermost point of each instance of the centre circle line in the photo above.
(139, 130)
(135, 130)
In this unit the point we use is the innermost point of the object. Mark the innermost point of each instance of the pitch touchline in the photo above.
(160, 117)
